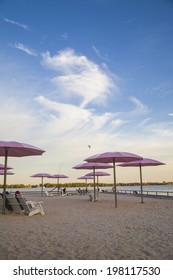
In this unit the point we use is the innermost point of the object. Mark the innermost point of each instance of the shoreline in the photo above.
(74, 228)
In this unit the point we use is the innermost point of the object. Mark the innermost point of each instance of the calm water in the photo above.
(165, 188)
(148, 188)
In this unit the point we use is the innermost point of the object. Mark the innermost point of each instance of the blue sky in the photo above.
(92, 72)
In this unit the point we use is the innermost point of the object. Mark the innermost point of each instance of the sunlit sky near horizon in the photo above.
(87, 72)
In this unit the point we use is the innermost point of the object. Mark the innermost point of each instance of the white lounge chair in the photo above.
(48, 193)
(90, 197)
(30, 207)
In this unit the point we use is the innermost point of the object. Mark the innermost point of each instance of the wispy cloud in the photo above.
(161, 130)
(80, 77)
(97, 52)
(21, 25)
(25, 49)
(50, 125)
(162, 90)
(140, 108)
(13, 111)
(81, 119)
(65, 36)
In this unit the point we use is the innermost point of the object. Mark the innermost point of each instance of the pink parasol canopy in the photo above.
(93, 166)
(7, 173)
(140, 163)
(57, 176)
(41, 175)
(15, 149)
(113, 157)
(2, 166)
(85, 177)
(98, 174)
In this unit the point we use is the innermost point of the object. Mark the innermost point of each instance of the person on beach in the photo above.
(16, 194)
(64, 190)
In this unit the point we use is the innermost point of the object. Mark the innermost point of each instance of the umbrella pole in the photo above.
(97, 182)
(58, 186)
(115, 183)
(98, 188)
(140, 167)
(94, 184)
(5, 180)
(42, 186)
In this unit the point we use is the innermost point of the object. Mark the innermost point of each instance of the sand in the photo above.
(74, 228)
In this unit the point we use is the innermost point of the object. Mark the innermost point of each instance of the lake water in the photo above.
(161, 189)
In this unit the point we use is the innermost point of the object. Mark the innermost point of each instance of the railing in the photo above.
(148, 193)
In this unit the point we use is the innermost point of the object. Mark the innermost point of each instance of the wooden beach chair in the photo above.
(1, 205)
(30, 207)
(14, 204)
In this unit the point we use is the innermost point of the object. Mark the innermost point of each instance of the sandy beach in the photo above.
(74, 228)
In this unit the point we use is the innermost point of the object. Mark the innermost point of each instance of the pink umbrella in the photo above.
(93, 166)
(15, 149)
(113, 157)
(97, 174)
(7, 173)
(2, 166)
(140, 163)
(41, 175)
(58, 176)
(85, 177)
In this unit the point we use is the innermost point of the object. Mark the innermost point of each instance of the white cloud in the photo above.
(71, 118)
(163, 129)
(140, 108)
(97, 52)
(64, 36)
(171, 114)
(162, 90)
(18, 121)
(24, 26)
(117, 123)
(145, 122)
(25, 49)
(80, 77)
(65, 130)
